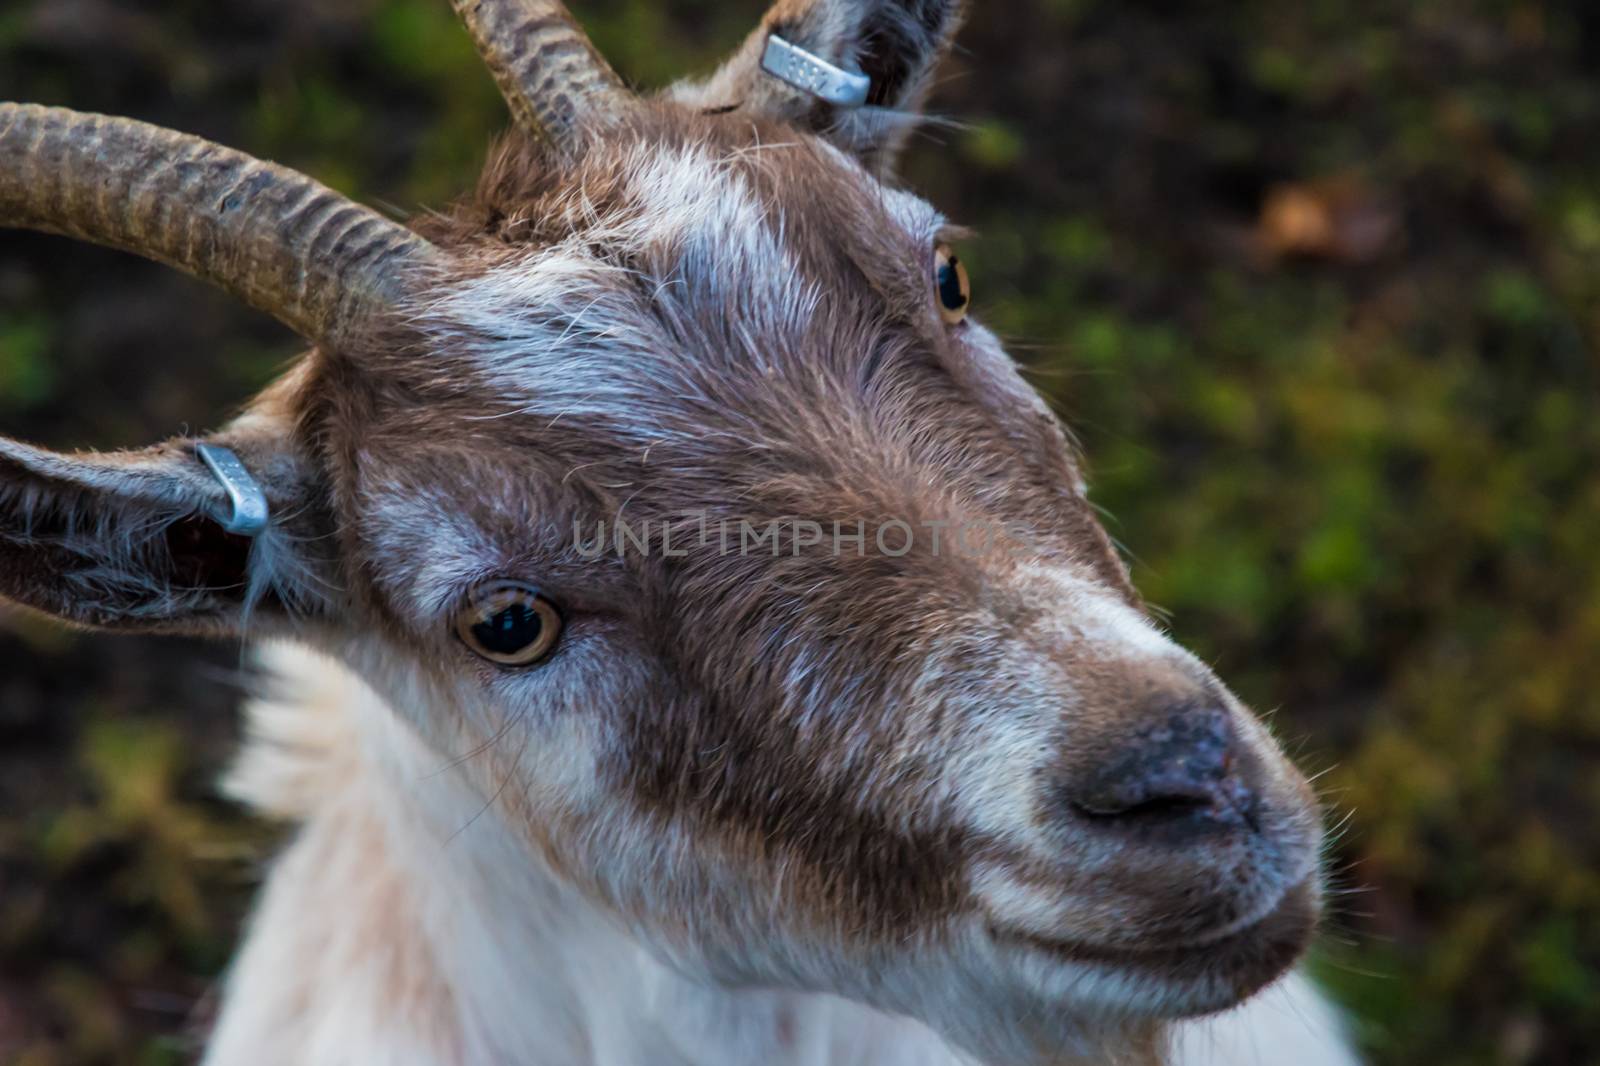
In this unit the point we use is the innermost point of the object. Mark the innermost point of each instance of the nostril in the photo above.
(1178, 771)
(1153, 807)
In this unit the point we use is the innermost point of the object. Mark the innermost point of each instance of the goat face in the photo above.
(850, 691)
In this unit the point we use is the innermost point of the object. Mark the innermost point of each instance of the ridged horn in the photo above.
(551, 76)
(274, 238)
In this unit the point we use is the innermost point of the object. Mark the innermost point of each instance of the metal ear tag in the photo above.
(249, 517)
(813, 74)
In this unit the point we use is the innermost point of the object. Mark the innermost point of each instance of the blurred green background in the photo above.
(1317, 285)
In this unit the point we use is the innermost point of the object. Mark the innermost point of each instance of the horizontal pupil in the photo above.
(510, 630)
(950, 293)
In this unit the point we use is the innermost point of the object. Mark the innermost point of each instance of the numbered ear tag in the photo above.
(813, 74)
(249, 510)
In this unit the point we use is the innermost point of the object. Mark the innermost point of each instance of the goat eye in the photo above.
(510, 624)
(955, 291)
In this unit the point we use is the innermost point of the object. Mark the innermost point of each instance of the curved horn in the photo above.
(276, 239)
(551, 76)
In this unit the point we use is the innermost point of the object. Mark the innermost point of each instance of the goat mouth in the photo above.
(1203, 976)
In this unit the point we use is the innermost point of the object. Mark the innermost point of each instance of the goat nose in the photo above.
(1179, 776)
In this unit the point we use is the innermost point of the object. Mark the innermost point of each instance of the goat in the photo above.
(901, 773)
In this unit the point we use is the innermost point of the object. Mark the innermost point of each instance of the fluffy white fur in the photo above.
(405, 926)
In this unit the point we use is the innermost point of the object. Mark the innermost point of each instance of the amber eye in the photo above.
(955, 291)
(510, 624)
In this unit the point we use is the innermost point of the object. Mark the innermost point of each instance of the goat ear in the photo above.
(896, 43)
(137, 540)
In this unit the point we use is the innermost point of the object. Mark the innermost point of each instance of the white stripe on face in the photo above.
(689, 244)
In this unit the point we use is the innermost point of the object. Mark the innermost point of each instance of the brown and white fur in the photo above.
(390, 934)
(803, 806)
